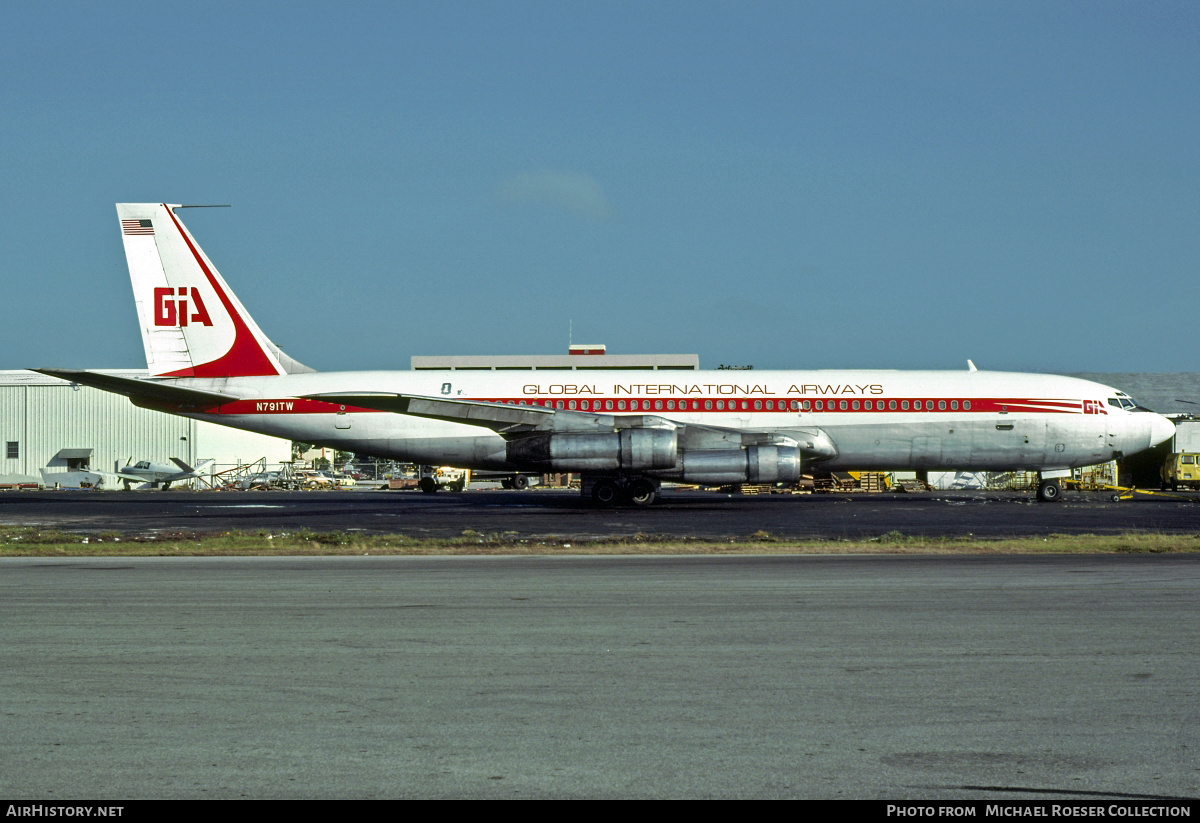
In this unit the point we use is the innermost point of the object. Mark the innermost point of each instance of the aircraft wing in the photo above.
(142, 392)
(515, 422)
(133, 478)
(505, 420)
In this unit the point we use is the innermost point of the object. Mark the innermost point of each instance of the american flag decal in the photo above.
(137, 227)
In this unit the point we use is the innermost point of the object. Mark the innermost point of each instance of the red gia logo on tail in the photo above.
(170, 310)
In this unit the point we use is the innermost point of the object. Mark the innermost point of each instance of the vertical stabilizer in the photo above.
(193, 325)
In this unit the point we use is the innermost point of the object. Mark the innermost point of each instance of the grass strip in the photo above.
(17, 541)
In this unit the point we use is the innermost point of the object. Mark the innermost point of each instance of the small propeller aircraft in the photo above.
(159, 473)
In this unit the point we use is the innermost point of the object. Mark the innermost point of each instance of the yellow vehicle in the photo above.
(1181, 469)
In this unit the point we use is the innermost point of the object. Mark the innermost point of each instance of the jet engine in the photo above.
(641, 450)
(753, 464)
(656, 453)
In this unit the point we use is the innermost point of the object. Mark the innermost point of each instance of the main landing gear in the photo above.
(1050, 490)
(613, 491)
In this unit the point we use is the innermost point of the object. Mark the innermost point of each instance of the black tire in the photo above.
(606, 492)
(428, 485)
(1049, 491)
(642, 493)
(520, 482)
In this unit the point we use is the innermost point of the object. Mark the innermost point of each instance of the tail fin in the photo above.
(193, 325)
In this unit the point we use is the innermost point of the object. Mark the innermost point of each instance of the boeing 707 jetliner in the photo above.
(625, 432)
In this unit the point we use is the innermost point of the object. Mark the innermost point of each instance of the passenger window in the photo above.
(904, 405)
(941, 405)
(842, 405)
(855, 405)
(967, 405)
(891, 405)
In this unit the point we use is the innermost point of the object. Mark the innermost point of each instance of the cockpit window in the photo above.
(1123, 402)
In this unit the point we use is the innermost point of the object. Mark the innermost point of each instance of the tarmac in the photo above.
(539, 513)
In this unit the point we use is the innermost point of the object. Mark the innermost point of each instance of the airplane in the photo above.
(155, 473)
(624, 432)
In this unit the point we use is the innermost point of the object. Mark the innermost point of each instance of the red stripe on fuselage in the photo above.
(627, 405)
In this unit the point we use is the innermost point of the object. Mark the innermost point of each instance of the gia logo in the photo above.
(172, 310)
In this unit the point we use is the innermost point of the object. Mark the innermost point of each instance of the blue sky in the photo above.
(788, 185)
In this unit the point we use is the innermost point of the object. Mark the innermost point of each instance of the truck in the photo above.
(1181, 469)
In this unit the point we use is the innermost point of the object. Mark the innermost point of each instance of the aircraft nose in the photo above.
(1161, 429)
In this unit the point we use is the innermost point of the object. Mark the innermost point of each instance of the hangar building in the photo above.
(47, 423)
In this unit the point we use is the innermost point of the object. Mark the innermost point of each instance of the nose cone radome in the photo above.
(1161, 430)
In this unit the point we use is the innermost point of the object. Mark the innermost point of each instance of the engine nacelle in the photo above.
(625, 450)
(753, 464)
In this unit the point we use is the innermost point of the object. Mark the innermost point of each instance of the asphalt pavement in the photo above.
(1055, 679)
(680, 513)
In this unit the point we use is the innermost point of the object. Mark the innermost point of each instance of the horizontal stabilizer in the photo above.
(142, 392)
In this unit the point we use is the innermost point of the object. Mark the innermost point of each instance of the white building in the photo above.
(47, 423)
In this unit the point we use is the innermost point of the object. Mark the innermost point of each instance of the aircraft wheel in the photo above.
(1049, 491)
(642, 493)
(520, 482)
(605, 492)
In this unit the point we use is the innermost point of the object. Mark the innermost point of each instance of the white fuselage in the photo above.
(877, 420)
